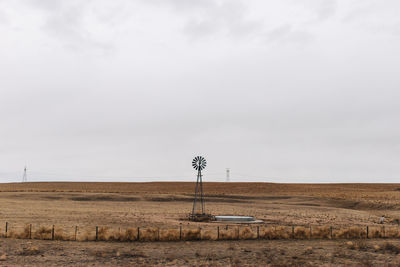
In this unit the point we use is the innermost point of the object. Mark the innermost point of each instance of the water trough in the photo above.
(225, 218)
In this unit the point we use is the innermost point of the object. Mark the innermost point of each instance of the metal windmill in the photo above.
(198, 163)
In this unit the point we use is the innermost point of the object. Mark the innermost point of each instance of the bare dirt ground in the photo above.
(204, 253)
(166, 206)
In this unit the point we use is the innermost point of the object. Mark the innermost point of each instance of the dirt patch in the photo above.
(307, 204)
(182, 199)
(361, 205)
(244, 197)
(52, 197)
(105, 198)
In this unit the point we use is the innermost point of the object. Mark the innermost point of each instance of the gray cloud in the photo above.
(321, 10)
(374, 17)
(205, 18)
(285, 34)
(288, 112)
(67, 22)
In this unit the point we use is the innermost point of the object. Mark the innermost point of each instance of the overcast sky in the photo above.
(132, 90)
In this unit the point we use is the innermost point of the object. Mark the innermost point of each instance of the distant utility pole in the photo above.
(25, 177)
(227, 174)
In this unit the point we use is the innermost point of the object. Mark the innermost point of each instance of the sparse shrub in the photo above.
(352, 232)
(375, 232)
(131, 234)
(193, 234)
(392, 232)
(149, 234)
(247, 233)
(300, 233)
(357, 245)
(103, 234)
(390, 247)
(208, 235)
(20, 235)
(29, 251)
(361, 245)
(42, 233)
(308, 251)
(114, 235)
(169, 235)
(279, 232)
(376, 247)
(350, 245)
(228, 234)
(89, 236)
(59, 234)
(321, 232)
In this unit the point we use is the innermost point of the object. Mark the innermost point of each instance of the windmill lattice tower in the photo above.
(199, 211)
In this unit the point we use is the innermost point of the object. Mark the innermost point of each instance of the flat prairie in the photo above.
(166, 205)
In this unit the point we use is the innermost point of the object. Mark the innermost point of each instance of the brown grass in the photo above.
(390, 247)
(20, 235)
(192, 234)
(131, 234)
(277, 232)
(225, 233)
(350, 233)
(247, 233)
(301, 233)
(169, 235)
(357, 245)
(322, 232)
(42, 233)
(228, 233)
(209, 235)
(392, 232)
(33, 250)
(149, 234)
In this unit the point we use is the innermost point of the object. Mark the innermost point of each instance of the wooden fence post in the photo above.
(180, 232)
(52, 232)
(200, 232)
(138, 234)
(310, 232)
(6, 228)
(293, 231)
(158, 234)
(238, 233)
(30, 231)
(331, 232)
(76, 231)
(384, 232)
(367, 231)
(258, 232)
(97, 233)
(217, 232)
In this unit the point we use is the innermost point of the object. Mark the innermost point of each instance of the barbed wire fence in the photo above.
(180, 233)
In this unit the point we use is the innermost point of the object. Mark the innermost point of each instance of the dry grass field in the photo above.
(119, 208)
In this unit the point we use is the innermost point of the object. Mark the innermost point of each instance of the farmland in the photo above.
(117, 206)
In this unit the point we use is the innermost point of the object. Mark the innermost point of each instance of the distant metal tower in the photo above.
(198, 163)
(227, 174)
(25, 177)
